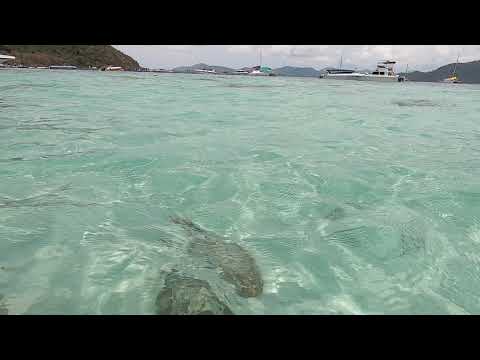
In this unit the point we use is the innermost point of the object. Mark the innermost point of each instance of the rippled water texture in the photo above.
(352, 197)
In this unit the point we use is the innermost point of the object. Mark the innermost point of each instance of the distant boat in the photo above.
(405, 78)
(260, 70)
(4, 58)
(453, 79)
(340, 73)
(384, 73)
(205, 71)
(114, 68)
(62, 67)
(240, 72)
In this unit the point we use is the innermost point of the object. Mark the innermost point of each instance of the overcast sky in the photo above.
(419, 57)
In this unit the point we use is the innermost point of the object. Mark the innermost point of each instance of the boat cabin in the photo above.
(385, 68)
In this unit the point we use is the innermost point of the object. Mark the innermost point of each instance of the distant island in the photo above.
(81, 56)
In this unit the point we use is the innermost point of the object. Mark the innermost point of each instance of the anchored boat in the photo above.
(384, 72)
(342, 74)
(453, 79)
(261, 70)
(205, 71)
(4, 58)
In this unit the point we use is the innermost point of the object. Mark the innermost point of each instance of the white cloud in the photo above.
(240, 49)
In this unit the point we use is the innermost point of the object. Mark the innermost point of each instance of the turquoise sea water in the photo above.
(353, 197)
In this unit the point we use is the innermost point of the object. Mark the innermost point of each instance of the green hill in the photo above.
(82, 56)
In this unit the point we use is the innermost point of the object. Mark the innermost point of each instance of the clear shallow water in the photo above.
(354, 198)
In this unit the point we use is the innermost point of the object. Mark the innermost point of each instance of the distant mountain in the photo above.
(467, 72)
(296, 71)
(82, 56)
(190, 69)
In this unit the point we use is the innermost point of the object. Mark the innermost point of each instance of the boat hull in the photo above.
(362, 77)
(379, 78)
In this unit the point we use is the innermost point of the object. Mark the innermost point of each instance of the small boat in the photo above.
(260, 70)
(453, 79)
(240, 72)
(257, 73)
(113, 68)
(62, 67)
(4, 58)
(205, 71)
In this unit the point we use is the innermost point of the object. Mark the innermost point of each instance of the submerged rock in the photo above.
(183, 295)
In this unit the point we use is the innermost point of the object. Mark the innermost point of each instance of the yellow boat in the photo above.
(454, 78)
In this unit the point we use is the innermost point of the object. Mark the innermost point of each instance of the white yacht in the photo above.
(342, 74)
(384, 72)
(114, 68)
(4, 58)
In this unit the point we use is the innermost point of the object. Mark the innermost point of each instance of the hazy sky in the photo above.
(419, 57)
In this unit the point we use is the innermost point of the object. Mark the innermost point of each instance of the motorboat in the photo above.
(62, 67)
(205, 71)
(384, 72)
(4, 58)
(113, 68)
(342, 74)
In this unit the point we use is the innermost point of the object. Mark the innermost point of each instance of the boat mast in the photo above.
(455, 68)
